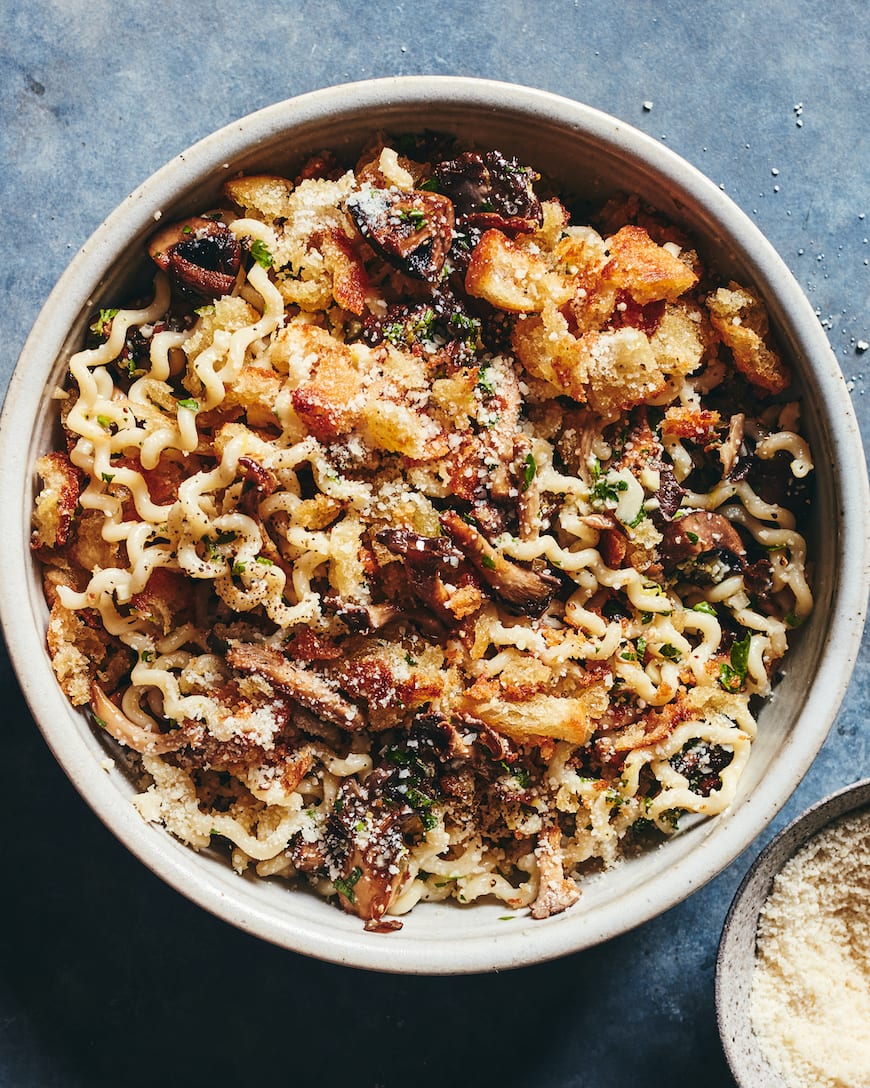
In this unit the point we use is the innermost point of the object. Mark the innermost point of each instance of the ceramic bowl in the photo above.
(736, 959)
(592, 155)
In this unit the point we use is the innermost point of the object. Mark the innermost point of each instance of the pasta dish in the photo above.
(419, 541)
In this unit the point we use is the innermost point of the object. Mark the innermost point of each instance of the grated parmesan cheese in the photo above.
(811, 984)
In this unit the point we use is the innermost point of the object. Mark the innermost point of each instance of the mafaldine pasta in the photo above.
(415, 541)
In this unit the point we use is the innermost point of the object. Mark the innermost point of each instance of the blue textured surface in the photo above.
(107, 976)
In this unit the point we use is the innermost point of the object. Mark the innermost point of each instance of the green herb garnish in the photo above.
(102, 326)
(529, 470)
(344, 886)
(733, 676)
(260, 253)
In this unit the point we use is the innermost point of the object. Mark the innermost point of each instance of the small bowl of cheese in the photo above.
(793, 970)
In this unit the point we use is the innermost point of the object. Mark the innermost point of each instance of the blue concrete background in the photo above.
(107, 977)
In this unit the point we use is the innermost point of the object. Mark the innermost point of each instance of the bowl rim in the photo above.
(26, 646)
(759, 877)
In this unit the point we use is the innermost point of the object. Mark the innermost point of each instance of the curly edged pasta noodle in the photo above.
(420, 542)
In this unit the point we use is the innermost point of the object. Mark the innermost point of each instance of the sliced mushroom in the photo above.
(200, 255)
(433, 566)
(263, 479)
(730, 448)
(700, 544)
(526, 589)
(306, 687)
(491, 191)
(555, 892)
(361, 619)
(118, 725)
(365, 840)
(413, 230)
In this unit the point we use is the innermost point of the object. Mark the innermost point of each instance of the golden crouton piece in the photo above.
(571, 719)
(512, 277)
(255, 391)
(648, 272)
(263, 193)
(682, 339)
(622, 371)
(548, 350)
(56, 502)
(398, 428)
(350, 280)
(741, 321)
(74, 649)
(698, 424)
(326, 402)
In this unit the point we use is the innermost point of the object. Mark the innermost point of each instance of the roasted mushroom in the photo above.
(413, 230)
(307, 688)
(433, 566)
(199, 255)
(367, 846)
(527, 590)
(489, 191)
(705, 547)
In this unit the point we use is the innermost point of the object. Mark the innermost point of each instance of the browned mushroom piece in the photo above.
(264, 479)
(703, 545)
(200, 255)
(361, 619)
(305, 687)
(413, 230)
(729, 451)
(433, 567)
(366, 843)
(527, 590)
(555, 892)
(489, 191)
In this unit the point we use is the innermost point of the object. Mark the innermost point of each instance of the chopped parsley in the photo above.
(146, 655)
(260, 253)
(519, 773)
(704, 606)
(189, 402)
(691, 537)
(107, 477)
(345, 885)
(239, 568)
(670, 652)
(529, 470)
(488, 562)
(484, 381)
(104, 422)
(414, 216)
(732, 676)
(102, 326)
(603, 491)
(263, 561)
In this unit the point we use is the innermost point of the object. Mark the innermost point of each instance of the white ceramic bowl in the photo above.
(735, 963)
(592, 154)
